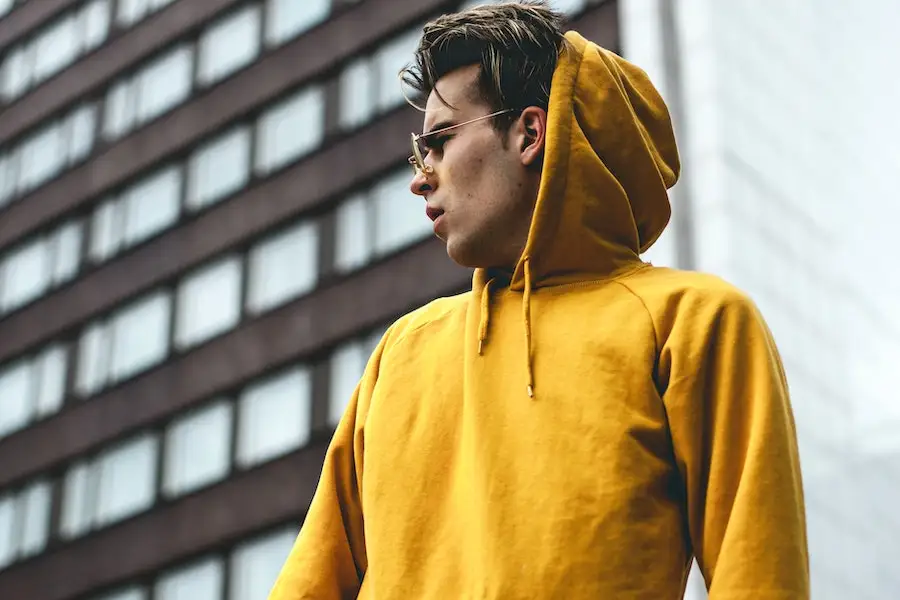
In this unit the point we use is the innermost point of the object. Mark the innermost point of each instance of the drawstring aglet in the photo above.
(530, 391)
(480, 347)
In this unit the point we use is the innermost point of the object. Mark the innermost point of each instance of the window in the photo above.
(228, 45)
(7, 529)
(399, 219)
(26, 274)
(80, 134)
(30, 270)
(219, 168)
(126, 480)
(113, 486)
(44, 153)
(17, 73)
(41, 156)
(24, 522)
(143, 210)
(274, 417)
(119, 110)
(290, 129)
(356, 90)
(255, 565)
(50, 380)
(56, 47)
(163, 84)
(16, 383)
(7, 179)
(140, 336)
(154, 90)
(377, 223)
(199, 581)
(283, 267)
(106, 231)
(93, 359)
(198, 449)
(209, 302)
(345, 370)
(131, 11)
(32, 388)
(95, 18)
(34, 506)
(353, 236)
(286, 19)
(79, 488)
(133, 339)
(65, 247)
(389, 60)
(151, 205)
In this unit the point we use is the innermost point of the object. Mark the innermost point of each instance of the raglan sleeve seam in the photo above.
(628, 288)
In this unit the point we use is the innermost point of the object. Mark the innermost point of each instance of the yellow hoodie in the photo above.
(581, 428)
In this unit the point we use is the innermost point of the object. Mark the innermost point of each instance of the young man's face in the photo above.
(482, 190)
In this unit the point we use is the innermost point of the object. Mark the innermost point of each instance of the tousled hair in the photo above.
(515, 44)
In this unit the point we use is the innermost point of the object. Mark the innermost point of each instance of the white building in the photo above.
(785, 113)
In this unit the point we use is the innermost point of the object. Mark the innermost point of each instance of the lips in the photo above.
(433, 213)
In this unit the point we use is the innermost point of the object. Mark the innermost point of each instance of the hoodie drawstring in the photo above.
(485, 316)
(485, 323)
(526, 313)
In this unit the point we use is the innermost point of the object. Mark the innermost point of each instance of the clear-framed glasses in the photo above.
(418, 162)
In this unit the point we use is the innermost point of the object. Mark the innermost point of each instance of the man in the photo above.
(581, 424)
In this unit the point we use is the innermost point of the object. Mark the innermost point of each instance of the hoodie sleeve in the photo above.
(328, 559)
(735, 444)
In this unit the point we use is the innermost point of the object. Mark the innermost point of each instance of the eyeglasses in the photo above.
(416, 160)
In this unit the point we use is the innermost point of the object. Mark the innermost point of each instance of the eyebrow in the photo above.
(438, 127)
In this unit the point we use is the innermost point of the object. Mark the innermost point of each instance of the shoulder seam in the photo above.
(646, 309)
(428, 322)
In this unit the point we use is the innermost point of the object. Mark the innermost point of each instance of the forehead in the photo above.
(458, 88)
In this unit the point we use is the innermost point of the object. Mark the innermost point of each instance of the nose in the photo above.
(422, 183)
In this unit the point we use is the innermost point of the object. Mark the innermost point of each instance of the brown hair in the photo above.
(516, 45)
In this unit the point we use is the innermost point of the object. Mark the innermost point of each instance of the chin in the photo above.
(462, 254)
(466, 254)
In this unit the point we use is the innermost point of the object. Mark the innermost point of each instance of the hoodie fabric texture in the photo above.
(580, 428)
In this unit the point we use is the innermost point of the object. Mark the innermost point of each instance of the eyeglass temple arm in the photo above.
(419, 136)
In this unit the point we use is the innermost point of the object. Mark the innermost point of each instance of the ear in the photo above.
(533, 135)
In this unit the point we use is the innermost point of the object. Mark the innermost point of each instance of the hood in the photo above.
(609, 160)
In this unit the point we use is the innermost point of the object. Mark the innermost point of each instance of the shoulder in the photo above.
(664, 288)
(690, 301)
(438, 313)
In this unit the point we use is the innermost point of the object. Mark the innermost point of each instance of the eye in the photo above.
(436, 143)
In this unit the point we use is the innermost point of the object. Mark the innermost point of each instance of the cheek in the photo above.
(473, 173)
(478, 187)
(465, 168)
